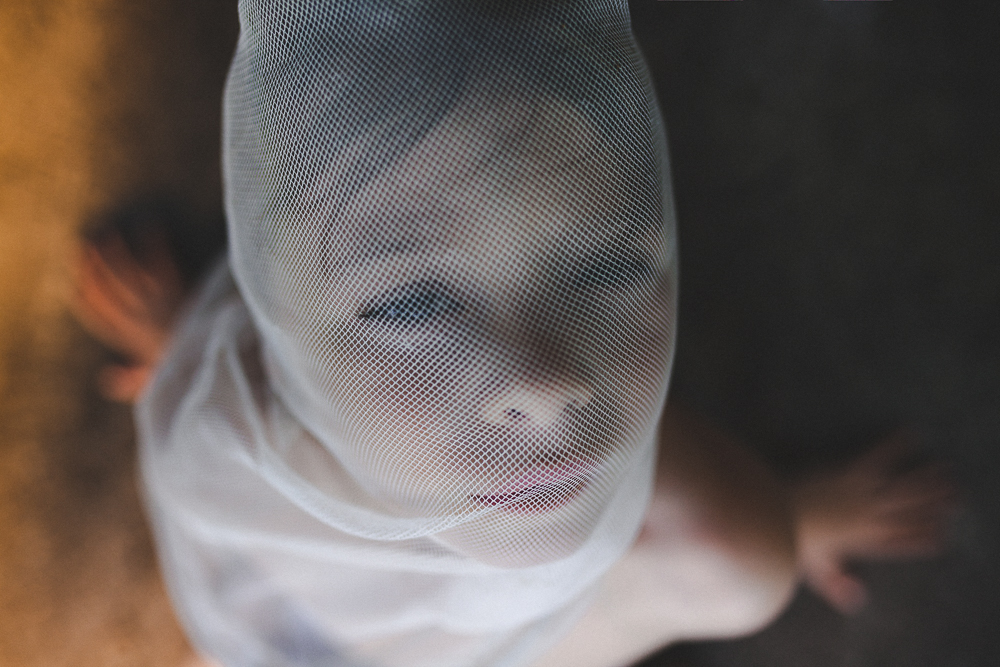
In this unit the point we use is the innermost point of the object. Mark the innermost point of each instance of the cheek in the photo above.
(626, 351)
(407, 404)
(411, 404)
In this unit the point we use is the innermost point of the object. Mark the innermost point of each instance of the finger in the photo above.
(153, 279)
(939, 500)
(95, 275)
(914, 540)
(921, 490)
(159, 279)
(126, 331)
(104, 319)
(917, 546)
(935, 508)
(118, 268)
(109, 310)
(124, 384)
(137, 282)
(844, 592)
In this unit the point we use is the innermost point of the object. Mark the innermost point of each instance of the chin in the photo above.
(510, 537)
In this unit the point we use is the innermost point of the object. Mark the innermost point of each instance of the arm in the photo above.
(725, 542)
(719, 537)
(715, 557)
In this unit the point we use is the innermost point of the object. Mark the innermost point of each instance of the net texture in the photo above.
(410, 420)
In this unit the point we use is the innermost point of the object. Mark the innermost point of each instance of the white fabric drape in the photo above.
(409, 420)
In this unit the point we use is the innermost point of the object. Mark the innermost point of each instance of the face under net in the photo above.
(451, 224)
(417, 425)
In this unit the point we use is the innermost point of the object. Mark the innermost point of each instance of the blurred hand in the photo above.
(875, 508)
(129, 304)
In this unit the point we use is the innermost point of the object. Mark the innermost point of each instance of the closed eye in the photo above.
(614, 272)
(411, 305)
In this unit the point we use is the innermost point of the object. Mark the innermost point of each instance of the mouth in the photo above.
(541, 489)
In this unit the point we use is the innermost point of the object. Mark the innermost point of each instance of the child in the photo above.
(414, 418)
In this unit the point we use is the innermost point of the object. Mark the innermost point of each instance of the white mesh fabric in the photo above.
(418, 426)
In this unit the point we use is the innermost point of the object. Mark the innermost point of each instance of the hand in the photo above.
(872, 509)
(129, 304)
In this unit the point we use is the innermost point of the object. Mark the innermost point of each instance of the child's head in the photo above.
(476, 321)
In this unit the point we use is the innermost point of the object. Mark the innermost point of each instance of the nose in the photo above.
(536, 402)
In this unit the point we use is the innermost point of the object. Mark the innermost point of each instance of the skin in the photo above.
(551, 342)
(724, 543)
(130, 305)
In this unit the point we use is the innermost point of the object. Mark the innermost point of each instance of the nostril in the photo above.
(540, 403)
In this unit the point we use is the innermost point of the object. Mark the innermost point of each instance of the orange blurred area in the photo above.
(835, 170)
(102, 100)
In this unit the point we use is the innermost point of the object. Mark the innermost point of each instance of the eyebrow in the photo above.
(588, 249)
(370, 253)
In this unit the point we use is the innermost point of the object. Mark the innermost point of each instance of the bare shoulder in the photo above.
(718, 544)
(715, 557)
(725, 542)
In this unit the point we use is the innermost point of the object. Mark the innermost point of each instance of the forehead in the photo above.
(494, 174)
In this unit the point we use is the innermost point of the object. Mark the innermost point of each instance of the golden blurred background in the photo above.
(101, 101)
(835, 167)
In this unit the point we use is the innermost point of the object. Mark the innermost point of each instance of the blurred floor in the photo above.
(836, 170)
(836, 179)
(101, 101)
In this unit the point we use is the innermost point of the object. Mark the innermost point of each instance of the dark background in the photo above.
(836, 181)
(836, 175)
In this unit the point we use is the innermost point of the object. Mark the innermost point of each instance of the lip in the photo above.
(541, 489)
